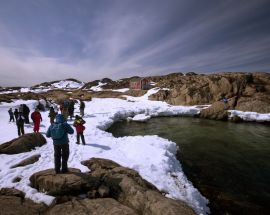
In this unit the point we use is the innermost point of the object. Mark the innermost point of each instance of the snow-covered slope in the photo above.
(136, 152)
(44, 87)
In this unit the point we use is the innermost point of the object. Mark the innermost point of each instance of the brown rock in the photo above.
(73, 183)
(13, 202)
(24, 143)
(131, 190)
(217, 110)
(27, 161)
(104, 206)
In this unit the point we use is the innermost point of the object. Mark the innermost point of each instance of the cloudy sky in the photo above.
(45, 40)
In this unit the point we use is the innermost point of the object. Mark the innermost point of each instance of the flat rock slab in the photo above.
(23, 143)
(73, 182)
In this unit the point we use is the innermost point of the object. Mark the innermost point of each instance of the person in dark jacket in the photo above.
(59, 131)
(71, 109)
(16, 114)
(82, 107)
(26, 112)
(79, 125)
(36, 117)
(11, 115)
(20, 124)
(52, 115)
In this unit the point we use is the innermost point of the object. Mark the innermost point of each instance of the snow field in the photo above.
(153, 157)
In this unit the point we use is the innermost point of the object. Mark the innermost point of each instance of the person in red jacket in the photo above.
(36, 117)
(79, 125)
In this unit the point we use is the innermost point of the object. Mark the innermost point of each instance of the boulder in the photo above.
(108, 189)
(130, 189)
(13, 202)
(104, 206)
(27, 161)
(72, 183)
(23, 143)
(217, 110)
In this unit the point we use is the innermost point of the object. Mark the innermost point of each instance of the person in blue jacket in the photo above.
(59, 131)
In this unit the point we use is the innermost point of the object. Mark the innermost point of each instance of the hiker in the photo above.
(65, 108)
(225, 100)
(16, 114)
(11, 115)
(71, 109)
(26, 112)
(20, 124)
(79, 125)
(36, 117)
(59, 131)
(82, 107)
(52, 115)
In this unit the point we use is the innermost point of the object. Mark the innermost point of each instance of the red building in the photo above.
(139, 84)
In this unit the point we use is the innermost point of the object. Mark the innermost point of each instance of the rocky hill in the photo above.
(245, 91)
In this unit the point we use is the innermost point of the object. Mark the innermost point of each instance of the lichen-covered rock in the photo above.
(23, 143)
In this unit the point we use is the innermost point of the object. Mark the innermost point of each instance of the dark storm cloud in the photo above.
(48, 40)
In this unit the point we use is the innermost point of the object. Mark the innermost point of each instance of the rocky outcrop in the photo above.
(27, 161)
(251, 91)
(218, 110)
(72, 183)
(104, 206)
(24, 143)
(108, 189)
(13, 202)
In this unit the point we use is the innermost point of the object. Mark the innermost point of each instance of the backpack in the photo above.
(57, 131)
(20, 119)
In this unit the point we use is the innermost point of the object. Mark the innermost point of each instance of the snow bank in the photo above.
(136, 152)
(250, 116)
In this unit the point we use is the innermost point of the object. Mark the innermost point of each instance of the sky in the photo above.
(47, 40)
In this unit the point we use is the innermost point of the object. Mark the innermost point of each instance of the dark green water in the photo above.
(229, 163)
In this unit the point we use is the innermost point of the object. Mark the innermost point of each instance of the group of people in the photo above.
(21, 116)
(58, 130)
(67, 108)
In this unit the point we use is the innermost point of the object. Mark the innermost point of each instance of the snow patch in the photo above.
(250, 116)
(98, 87)
(141, 118)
